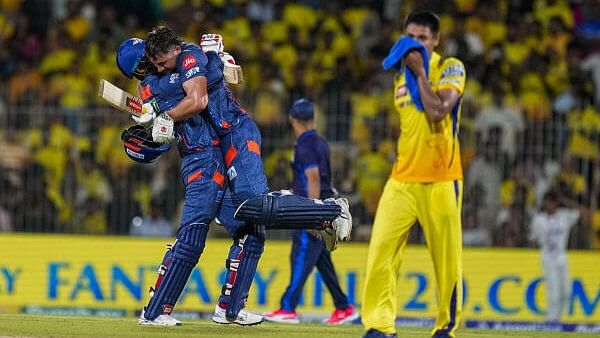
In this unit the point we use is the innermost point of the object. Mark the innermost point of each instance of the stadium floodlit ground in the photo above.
(54, 326)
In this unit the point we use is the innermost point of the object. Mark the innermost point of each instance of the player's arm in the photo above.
(313, 182)
(195, 100)
(436, 104)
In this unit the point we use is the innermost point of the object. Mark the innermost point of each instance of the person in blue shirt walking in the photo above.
(312, 179)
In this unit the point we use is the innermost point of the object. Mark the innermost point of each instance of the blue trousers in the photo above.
(241, 150)
(308, 252)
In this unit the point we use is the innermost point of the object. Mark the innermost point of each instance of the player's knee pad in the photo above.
(183, 258)
(190, 243)
(252, 249)
(287, 211)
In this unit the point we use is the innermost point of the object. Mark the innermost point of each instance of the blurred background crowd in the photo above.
(530, 119)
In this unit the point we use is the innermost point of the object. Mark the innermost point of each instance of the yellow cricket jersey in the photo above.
(428, 151)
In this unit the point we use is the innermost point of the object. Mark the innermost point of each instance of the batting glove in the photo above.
(149, 111)
(211, 43)
(162, 129)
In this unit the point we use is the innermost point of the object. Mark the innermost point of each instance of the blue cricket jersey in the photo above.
(194, 133)
(223, 111)
(311, 150)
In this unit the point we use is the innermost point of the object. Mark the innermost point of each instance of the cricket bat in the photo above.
(233, 73)
(119, 98)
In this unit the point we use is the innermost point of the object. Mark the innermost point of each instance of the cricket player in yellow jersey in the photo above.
(425, 183)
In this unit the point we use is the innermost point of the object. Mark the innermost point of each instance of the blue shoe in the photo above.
(440, 334)
(372, 333)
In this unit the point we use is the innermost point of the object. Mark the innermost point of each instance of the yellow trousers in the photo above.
(437, 208)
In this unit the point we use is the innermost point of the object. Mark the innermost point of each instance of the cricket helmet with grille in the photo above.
(138, 144)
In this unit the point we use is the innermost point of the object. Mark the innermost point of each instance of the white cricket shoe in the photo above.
(244, 317)
(162, 320)
(344, 220)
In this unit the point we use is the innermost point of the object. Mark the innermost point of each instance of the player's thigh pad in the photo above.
(226, 213)
(287, 211)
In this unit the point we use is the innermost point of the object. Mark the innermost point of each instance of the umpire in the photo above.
(312, 179)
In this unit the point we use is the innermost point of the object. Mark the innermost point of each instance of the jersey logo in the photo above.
(173, 77)
(189, 61)
(146, 92)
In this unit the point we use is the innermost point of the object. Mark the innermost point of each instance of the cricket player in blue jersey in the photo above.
(177, 60)
(202, 171)
(312, 179)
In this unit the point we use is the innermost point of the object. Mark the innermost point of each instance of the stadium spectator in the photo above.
(152, 224)
(550, 228)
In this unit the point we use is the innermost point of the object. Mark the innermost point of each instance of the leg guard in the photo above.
(252, 250)
(184, 257)
(236, 253)
(162, 269)
(288, 211)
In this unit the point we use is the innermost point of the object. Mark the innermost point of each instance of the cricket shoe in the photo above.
(244, 317)
(341, 227)
(344, 220)
(282, 316)
(342, 316)
(162, 320)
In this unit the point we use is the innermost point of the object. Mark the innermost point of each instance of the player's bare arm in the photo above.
(313, 178)
(436, 104)
(195, 100)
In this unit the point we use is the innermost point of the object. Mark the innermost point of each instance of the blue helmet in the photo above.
(138, 144)
(130, 56)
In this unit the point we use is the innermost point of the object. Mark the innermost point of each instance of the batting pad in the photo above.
(252, 250)
(287, 212)
(185, 255)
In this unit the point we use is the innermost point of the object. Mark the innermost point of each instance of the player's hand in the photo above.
(149, 111)
(414, 61)
(227, 58)
(162, 129)
(211, 43)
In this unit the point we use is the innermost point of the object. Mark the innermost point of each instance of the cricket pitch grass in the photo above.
(61, 326)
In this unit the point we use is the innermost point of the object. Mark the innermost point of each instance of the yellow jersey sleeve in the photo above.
(452, 74)
(429, 151)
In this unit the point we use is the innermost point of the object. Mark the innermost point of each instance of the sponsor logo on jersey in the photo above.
(231, 173)
(191, 72)
(173, 78)
(401, 91)
(189, 61)
(454, 70)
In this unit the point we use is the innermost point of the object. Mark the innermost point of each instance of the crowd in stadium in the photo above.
(530, 120)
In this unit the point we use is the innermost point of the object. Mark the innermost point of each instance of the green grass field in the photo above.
(54, 326)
